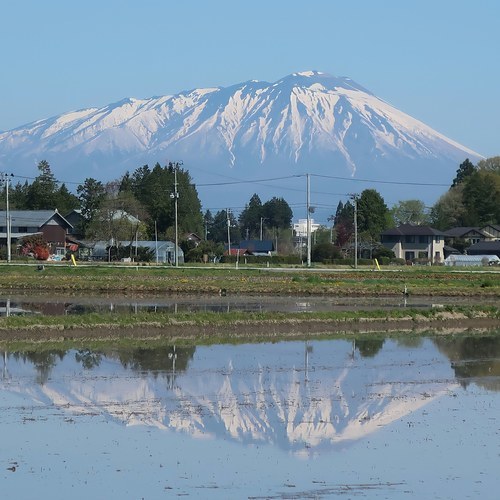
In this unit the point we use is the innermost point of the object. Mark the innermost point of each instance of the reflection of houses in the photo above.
(411, 242)
(49, 224)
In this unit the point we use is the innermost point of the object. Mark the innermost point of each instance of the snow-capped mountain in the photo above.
(306, 122)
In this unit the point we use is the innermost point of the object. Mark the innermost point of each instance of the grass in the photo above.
(199, 280)
(203, 318)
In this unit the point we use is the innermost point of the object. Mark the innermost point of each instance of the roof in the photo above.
(485, 246)
(410, 229)
(459, 232)
(238, 251)
(32, 217)
(257, 245)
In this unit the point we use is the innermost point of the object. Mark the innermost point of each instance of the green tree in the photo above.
(42, 193)
(465, 169)
(373, 214)
(449, 210)
(325, 251)
(278, 213)
(208, 221)
(409, 212)
(219, 227)
(18, 196)
(250, 218)
(118, 218)
(91, 195)
(66, 201)
(481, 198)
(490, 164)
(155, 188)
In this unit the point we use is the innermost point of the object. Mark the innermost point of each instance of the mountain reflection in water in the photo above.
(300, 396)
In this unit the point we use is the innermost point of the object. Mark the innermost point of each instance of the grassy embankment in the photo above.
(134, 280)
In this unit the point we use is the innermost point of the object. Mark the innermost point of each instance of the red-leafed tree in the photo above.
(35, 246)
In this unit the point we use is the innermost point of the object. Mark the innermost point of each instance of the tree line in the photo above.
(140, 205)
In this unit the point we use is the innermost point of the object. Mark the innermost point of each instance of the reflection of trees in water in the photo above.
(156, 360)
(368, 348)
(473, 359)
(412, 341)
(43, 361)
(88, 358)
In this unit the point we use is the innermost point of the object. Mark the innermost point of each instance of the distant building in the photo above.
(300, 228)
(469, 234)
(485, 248)
(410, 242)
(49, 224)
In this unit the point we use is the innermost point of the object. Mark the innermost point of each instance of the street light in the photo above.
(6, 178)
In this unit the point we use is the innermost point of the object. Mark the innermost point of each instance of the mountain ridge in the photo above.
(307, 121)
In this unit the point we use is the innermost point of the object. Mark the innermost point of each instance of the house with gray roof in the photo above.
(485, 248)
(411, 243)
(469, 234)
(50, 224)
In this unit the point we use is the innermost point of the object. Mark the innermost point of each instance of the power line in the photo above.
(379, 182)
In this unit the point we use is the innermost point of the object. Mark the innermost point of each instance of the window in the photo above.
(410, 238)
(22, 229)
(409, 256)
(423, 239)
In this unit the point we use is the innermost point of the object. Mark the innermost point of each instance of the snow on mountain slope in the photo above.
(308, 121)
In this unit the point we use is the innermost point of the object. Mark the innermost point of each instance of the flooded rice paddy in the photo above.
(366, 418)
(50, 304)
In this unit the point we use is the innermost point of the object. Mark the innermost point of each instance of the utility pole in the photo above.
(308, 207)
(228, 232)
(354, 197)
(262, 219)
(175, 197)
(6, 178)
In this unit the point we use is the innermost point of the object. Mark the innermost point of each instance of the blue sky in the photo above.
(435, 60)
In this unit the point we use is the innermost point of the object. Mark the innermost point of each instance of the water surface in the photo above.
(369, 418)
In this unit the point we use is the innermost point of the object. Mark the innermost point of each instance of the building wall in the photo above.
(55, 235)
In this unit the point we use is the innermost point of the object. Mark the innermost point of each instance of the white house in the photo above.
(411, 242)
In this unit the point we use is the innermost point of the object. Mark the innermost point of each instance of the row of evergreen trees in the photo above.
(473, 199)
(147, 195)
